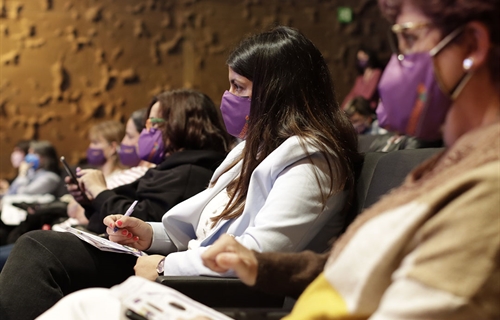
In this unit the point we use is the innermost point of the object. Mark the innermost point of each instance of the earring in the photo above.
(467, 64)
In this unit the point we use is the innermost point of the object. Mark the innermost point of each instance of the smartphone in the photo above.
(70, 172)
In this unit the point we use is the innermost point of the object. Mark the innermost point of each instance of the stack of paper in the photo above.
(104, 244)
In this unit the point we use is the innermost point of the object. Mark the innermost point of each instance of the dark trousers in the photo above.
(44, 266)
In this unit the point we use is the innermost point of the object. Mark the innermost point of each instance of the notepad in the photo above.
(153, 301)
(104, 244)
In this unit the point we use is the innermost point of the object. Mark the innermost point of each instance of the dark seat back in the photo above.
(383, 171)
(379, 173)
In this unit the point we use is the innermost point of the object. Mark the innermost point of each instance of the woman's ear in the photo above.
(477, 37)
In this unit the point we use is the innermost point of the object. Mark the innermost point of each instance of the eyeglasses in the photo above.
(400, 28)
(154, 122)
(402, 37)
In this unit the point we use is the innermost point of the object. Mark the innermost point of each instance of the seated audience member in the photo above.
(38, 174)
(185, 137)
(127, 154)
(429, 249)
(273, 192)
(362, 117)
(102, 152)
(160, 189)
(369, 70)
(16, 158)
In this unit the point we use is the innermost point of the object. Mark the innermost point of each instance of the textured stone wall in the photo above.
(67, 64)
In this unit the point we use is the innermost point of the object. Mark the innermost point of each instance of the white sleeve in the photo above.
(291, 216)
(294, 210)
(161, 243)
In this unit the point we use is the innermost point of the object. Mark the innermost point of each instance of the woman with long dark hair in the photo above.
(275, 191)
(430, 249)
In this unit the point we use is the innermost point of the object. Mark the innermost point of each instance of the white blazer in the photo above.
(283, 209)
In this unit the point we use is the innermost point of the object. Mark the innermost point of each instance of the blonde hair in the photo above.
(111, 131)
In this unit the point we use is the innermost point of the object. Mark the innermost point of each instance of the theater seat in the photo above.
(379, 173)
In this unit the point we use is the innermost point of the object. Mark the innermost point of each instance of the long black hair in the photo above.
(292, 95)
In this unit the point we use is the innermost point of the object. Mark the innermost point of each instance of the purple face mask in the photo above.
(363, 64)
(151, 146)
(412, 101)
(95, 157)
(235, 111)
(128, 155)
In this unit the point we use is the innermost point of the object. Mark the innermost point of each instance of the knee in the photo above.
(35, 242)
(29, 238)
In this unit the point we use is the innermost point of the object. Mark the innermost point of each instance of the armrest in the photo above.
(221, 292)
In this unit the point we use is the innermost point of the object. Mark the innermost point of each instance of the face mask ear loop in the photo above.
(443, 43)
(393, 47)
(455, 91)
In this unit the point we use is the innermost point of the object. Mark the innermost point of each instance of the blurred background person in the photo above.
(102, 153)
(38, 175)
(38, 172)
(16, 158)
(128, 157)
(365, 85)
(363, 117)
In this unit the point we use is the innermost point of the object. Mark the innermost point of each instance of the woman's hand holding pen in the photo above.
(131, 231)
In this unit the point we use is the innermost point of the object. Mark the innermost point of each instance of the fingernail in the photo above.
(124, 232)
(129, 235)
(136, 238)
(111, 225)
(119, 223)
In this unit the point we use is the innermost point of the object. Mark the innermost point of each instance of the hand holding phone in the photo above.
(69, 172)
(74, 180)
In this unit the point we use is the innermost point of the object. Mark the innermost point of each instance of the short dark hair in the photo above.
(373, 61)
(46, 150)
(359, 105)
(139, 119)
(191, 121)
(23, 145)
(447, 15)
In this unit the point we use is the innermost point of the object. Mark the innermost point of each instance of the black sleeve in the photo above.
(288, 273)
(157, 192)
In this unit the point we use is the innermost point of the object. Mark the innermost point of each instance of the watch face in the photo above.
(160, 268)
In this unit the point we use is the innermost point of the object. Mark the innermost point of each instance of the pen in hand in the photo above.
(128, 212)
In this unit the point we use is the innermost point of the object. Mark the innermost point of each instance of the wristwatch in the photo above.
(160, 268)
